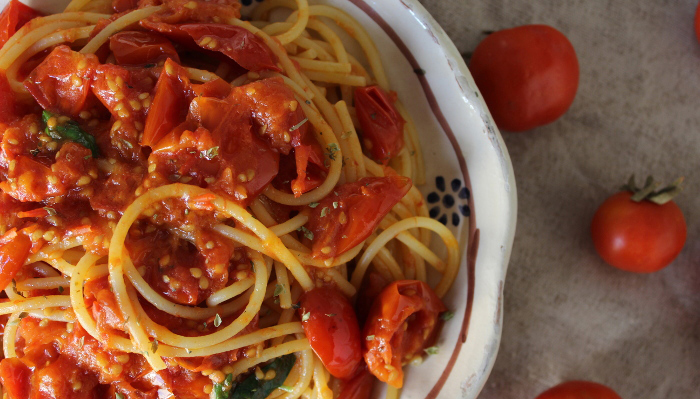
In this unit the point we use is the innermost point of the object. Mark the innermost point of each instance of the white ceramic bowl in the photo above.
(468, 173)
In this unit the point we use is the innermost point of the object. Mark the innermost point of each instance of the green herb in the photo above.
(223, 390)
(252, 388)
(154, 346)
(22, 315)
(34, 152)
(330, 314)
(118, 396)
(210, 153)
(433, 350)
(278, 290)
(217, 320)
(324, 211)
(307, 233)
(313, 205)
(50, 211)
(60, 290)
(335, 205)
(345, 135)
(446, 315)
(296, 305)
(73, 132)
(370, 338)
(286, 388)
(298, 125)
(332, 149)
(305, 316)
(308, 102)
(82, 342)
(188, 350)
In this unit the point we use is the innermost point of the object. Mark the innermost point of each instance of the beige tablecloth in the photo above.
(567, 314)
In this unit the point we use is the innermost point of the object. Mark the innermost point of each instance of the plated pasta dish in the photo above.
(196, 204)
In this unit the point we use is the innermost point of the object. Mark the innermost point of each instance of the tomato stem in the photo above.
(649, 193)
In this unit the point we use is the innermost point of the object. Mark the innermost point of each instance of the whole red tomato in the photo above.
(697, 22)
(528, 75)
(640, 237)
(579, 390)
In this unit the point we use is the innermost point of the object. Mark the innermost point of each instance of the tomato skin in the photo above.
(12, 257)
(382, 125)
(579, 390)
(528, 75)
(136, 48)
(350, 214)
(332, 330)
(13, 17)
(15, 377)
(640, 237)
(391, 344)
(359, 386)
(170, 103)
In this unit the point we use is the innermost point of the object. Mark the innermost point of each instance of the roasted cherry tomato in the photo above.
(382, 125)
(639, 236)
(359, 386)
(136, 48)
(8, 103)
(13, 17)
(579, 390)
(12, 256)
(348, 216)
(528, 75)
(330, 323)
(402, 321)
(15, 377)
(170, 103)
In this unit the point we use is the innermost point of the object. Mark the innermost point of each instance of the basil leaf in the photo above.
(252, 388)
(73, 132)
(223, 390)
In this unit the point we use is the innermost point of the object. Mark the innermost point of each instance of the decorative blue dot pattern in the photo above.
(443, 203)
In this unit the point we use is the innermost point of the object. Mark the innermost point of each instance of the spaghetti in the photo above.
(196, 205)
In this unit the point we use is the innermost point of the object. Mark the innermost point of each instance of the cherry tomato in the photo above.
(528, 75)
(15, 377)
(13, 17)
(170, 103)
(8, 103)
(348, 215)
(61, 83)
(359, 386)
(697, 22)
(248, 50)
(136, 47)
(382, 125)
(401, 322)
(640, 237)
(579, 390)
(12, 257)
(330, 323)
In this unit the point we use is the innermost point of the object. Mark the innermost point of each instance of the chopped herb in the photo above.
(298, 125)
(330, 314)
(370, 338)
(34, 152)
(325, 211)
(419, 71)
(433, 350)
(88, 156)
(82, 342)
(446, 315)
(345, 135)
(313, 205)
(71, 131)
(22, 315)
(60, 290)
(278, 290)
(308, 102)
(149, 65)
(217, 320)
(344, 236)
(305, 316)
(223, 390)
(286, 388)
(154, 346)
(118, 396)
(210, 153)
(50, 211)
(188, 350)
(296, 305)
(335, 205)
(252, 388)
(332, 149)
(307, 233)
